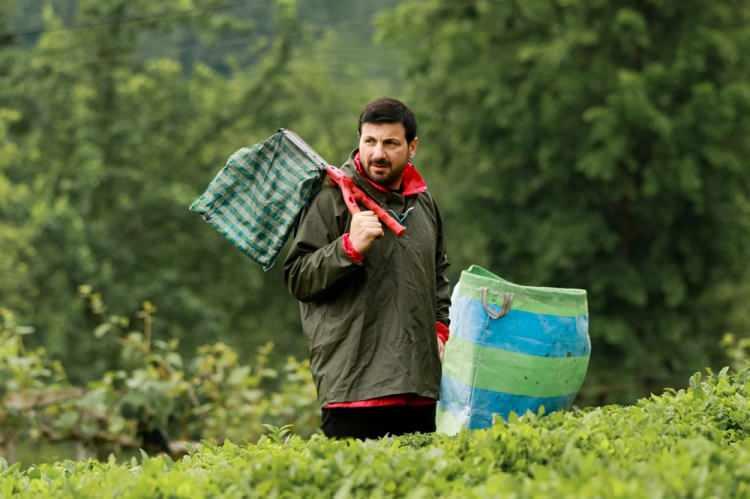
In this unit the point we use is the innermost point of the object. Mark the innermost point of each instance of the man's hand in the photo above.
(441, 349)
(365, 228)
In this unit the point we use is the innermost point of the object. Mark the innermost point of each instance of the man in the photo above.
(372, 303)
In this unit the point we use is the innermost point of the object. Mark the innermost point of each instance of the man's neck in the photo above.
(396, 186)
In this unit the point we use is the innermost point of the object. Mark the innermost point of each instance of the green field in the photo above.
(686, 443)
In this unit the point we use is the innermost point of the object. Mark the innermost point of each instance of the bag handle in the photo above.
(507, 302)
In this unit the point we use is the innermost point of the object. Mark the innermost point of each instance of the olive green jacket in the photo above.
(370, 326)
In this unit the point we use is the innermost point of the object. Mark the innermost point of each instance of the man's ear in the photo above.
(413, 147)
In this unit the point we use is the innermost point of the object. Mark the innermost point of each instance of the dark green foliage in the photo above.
(108, 132)
(687, 443)
(600, 145)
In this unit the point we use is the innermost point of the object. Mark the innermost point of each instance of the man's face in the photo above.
(384, 152)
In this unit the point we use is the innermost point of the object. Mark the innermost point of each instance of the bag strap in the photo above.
(507, 302)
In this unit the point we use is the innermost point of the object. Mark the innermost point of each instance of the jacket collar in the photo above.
(412, 182)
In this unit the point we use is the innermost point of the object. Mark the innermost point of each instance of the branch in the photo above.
(37, 399)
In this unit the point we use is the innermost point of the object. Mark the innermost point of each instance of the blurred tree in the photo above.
(15, 227)
(600, 145)
(112, 143)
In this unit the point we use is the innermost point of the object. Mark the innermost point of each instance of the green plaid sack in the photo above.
(255, 199)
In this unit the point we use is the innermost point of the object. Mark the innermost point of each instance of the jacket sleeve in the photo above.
(316, 261)
(443, 285)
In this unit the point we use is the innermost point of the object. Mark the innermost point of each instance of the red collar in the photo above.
(412, 182)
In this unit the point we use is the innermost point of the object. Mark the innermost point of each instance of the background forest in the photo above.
(591, 144)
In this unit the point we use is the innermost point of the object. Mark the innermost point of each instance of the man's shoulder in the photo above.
(329, 196)
(330, 193)
(425, 197)
(427, 202)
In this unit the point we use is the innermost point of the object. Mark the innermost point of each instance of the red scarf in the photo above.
(412, 182)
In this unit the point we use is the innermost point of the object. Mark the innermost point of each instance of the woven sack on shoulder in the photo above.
(255, 199)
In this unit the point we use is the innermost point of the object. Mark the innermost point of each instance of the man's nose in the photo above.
(377, 151)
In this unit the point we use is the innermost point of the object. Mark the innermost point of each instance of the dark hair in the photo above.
(387, 110)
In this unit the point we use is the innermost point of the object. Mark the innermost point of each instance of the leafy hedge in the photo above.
(150, 397)
(686, 443)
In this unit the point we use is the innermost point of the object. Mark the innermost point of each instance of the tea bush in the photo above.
(683, 443)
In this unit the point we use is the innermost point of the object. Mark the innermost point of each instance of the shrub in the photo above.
(152, 398)
(687, 443)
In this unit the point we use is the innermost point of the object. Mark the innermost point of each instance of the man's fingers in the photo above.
(364, 215)
(372, 224)
(365, 228)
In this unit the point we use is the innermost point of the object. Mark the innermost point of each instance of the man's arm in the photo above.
(317, 259)
(443, 286)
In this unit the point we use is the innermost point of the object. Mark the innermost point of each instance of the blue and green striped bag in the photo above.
(512, 348)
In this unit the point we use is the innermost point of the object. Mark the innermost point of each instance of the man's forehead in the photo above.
(384, 130)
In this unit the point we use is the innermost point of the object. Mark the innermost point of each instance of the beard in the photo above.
(384, 173)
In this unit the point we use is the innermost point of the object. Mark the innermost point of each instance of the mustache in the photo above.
(381, 162)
